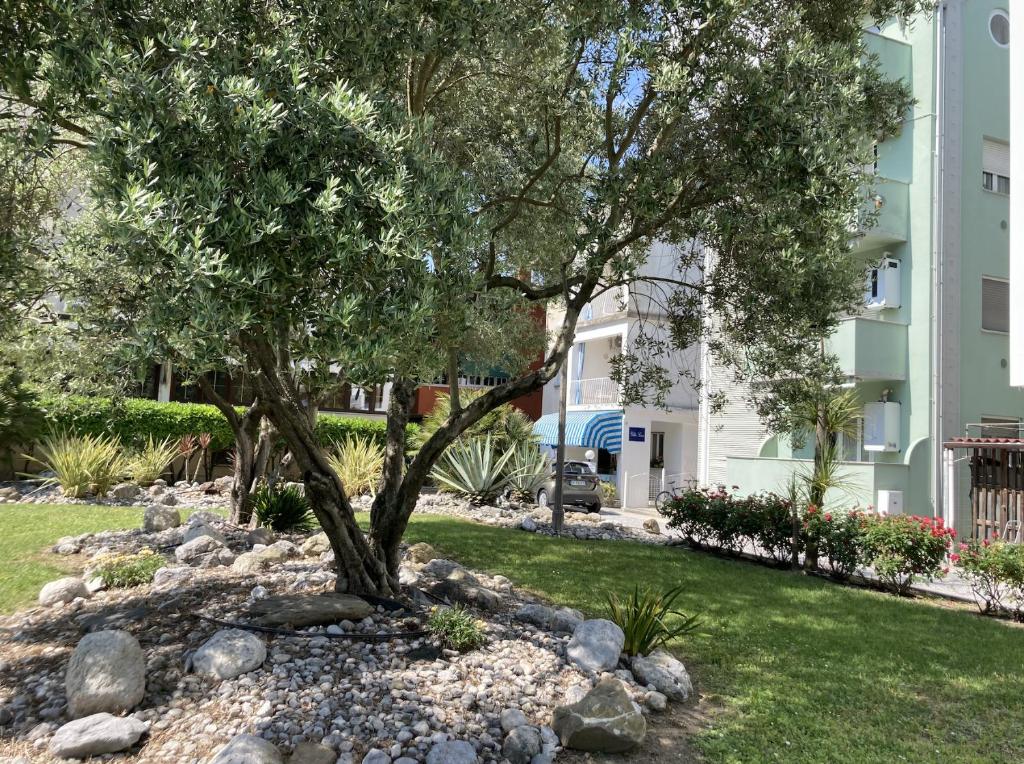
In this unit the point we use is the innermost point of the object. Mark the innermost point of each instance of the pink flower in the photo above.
(954, 557)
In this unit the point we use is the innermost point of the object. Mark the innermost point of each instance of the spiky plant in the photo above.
(149, 463)
(83, 464)
(283, 510)
(528, 471)
(358, 463)
(474, 469)
(644, 616)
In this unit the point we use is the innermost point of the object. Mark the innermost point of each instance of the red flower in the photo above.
(954, 557)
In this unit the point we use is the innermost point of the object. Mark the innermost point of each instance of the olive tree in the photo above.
(383, 190)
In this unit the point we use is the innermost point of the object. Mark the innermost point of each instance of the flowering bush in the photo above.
(837, 536)
(995, 572)
(903, 548)
(772, 525)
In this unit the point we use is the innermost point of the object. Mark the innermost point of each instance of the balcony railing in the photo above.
(869, 349)
(597, 391)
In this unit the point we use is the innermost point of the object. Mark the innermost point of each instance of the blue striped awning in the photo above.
(591, 429)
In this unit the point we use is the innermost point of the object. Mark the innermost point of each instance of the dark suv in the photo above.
(580, 488)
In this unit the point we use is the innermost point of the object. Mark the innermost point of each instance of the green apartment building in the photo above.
(928, 352)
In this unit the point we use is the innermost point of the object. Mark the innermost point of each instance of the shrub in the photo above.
(643, 615)
(688, 513)
(507, 426)
(282, 509)
(20, 415)
(473, 469)
(456, 629)
(771, 525)
(995, 572)
(149, 463)
(528, 471)
(359, 462)
(124, 570)
(841, 539)
(904, 548)
(83, 464)
(609, 493)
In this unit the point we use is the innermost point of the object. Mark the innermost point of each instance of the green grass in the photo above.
(795, 669)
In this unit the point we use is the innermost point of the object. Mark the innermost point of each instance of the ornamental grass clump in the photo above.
(359, 463)
(995, 572)
(124, 570)
(83, 464)
(903, 549)
(284, 510)
(527, 472)
(644, 617)
(456, 629)
(150, 461)
(474, 469)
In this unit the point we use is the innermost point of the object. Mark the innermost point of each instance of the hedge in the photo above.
(132, 420)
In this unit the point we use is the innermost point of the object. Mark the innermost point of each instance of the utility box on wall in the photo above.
(882, 426)
(883, 287)
(890, 502)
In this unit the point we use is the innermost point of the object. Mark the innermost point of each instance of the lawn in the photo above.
(794, 669)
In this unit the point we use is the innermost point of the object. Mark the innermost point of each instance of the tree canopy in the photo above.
(380, 189)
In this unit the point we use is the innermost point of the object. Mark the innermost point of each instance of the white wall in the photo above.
(1016, 195)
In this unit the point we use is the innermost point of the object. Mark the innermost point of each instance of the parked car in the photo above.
(581, 487)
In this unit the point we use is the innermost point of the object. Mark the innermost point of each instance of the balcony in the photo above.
(889, 202)
(869, 349)
(600, 391)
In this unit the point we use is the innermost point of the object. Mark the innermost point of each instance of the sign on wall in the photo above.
(637, 434)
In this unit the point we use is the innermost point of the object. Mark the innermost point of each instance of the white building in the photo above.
(641, 449)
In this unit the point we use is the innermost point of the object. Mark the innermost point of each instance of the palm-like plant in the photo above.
(643, 617)
(83, 464)
(358, 463)
(528, 471)
(507, 426)
(149, 463)
(474, 469)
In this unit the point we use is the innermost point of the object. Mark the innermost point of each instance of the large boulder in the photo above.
(107, 672)
(250, 563)
(452, 752)
(263, 536)
(560, 620)
(316, 545)
(521, 745)
(194, 550)
(441, 568)
(125, 491)
(665, 672)
(247, 749)
(606, 720)
(421, 553)
(158, 518)
(308, 752)
(198, 530)
(63, 590)
(466, 592)
(596, 645)
(96, 734)
(310, 609)
(229, 653)
(167, 499)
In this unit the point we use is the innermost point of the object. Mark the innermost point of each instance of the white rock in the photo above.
(124, 491)
(63, 590)
(199, 530)
(229, 653)
(452, 752)
(665, 672)
(96, 734)
(512, 718)
(158, 518)
(376, 756)
(528, 524)
(107, 672)
(656, 701)
(247, 749)
(197, 547)
(596, 645)
(168, 500)
(316, 545)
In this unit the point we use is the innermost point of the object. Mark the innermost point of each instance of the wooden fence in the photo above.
(997, 487)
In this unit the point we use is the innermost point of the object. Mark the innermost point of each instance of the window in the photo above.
(999, 28)
(995, 166)
(995, 304)
(1000, 427)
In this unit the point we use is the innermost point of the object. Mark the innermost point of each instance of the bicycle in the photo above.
(664, 497)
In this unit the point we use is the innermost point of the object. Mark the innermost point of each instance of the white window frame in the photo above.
(991, 177)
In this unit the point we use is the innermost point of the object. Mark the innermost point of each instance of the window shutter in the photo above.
(995, 305)
(996, 157)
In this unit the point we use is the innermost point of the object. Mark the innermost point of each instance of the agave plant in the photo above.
(149, 463)
(643, 618)
(474, 469)
(83, 464)
(284, 510)
(358, 463)
(528, 471)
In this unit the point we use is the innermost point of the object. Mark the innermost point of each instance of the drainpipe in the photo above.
(936, 319)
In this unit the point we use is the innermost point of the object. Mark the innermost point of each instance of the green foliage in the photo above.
(608, 491)
(285, 510)
(644, 615)
(506, 426)
(124, 570)
(358, 462)
(148, 463)
(83, 464)
(839, 536)
(905, 548)
(456, 629)
(474, 469)
(20, 416)
(995, 572)
(528, 470)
